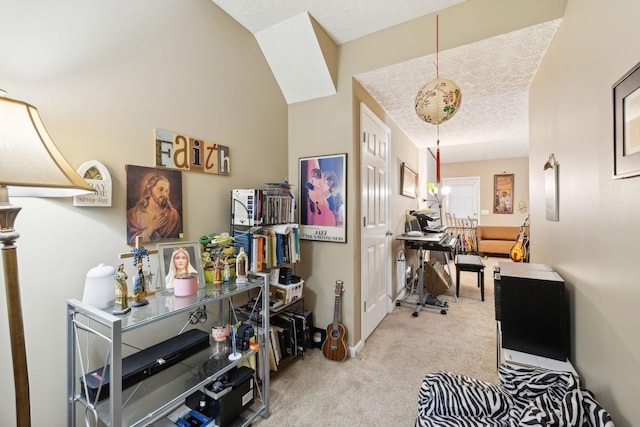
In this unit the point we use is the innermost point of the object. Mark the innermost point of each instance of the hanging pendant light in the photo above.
(438, 101)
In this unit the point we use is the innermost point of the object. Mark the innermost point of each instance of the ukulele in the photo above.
(334, 346)
(519, 250)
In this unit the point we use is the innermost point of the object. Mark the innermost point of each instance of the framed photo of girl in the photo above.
(179, 258)
(322, 197)
(503, 194)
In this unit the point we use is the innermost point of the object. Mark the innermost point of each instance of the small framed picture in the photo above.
(626, 125)
(503, 194)
(408, 181)
(179, 258)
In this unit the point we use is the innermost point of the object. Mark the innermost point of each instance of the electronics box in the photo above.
(246, 207)
(230, 396)
(286, 293)
(532, 307)
(147, 362)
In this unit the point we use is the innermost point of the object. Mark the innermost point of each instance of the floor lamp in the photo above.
(32, 166)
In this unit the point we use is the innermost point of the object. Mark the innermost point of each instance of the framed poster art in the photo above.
(408, 181)
(323, 189)
(626, 122)
(179, 258)
(503, 194)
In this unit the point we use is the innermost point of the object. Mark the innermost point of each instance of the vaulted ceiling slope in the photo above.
(290, 42)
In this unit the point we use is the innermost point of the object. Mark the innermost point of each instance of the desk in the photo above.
(431, 242)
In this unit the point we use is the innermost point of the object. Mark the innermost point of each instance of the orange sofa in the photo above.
(496, 240)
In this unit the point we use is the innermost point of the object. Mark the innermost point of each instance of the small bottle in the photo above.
(242, 261)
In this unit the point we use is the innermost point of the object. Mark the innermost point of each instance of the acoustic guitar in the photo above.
(334, 346)
(518, 251)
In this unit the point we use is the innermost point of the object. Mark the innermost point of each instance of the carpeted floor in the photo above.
(380, 386)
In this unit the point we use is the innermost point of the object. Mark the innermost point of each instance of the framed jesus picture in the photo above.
(154, 204)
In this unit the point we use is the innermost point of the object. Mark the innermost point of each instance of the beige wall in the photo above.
(593, 245)
(182, 66)
(486, 170)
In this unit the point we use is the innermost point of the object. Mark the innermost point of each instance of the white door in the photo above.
(376, 238)
(464, 200)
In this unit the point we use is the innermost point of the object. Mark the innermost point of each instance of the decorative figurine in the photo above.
(227, 270)
(242, 261)
(121, 306)
(140, 284)
(217, 268)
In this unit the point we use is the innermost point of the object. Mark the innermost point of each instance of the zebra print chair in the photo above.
(524, 397)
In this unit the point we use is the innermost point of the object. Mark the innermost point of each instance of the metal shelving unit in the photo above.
(151, 400)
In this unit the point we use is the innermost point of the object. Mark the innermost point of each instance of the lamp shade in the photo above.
(438, 101)
(30, 163)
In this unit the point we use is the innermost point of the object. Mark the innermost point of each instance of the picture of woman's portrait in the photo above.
(179, 259)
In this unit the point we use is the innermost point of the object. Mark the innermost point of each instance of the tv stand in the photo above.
(532, 319)
(514, 357)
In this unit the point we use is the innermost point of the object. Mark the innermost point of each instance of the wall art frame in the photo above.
(166, 253)
(551, 197)
(408, 181)
(97, 176)
(323, 195)
(503, 193)
(154, 193)
(626, 125)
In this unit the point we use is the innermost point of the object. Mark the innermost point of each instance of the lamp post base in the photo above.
(8, 236)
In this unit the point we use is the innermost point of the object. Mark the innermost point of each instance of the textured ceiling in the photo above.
(493, 74)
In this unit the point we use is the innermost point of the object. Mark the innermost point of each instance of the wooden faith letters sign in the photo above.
(175, 151)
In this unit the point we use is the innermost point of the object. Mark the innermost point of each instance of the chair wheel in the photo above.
(414, 314)
(443, 311)
(398, 303)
